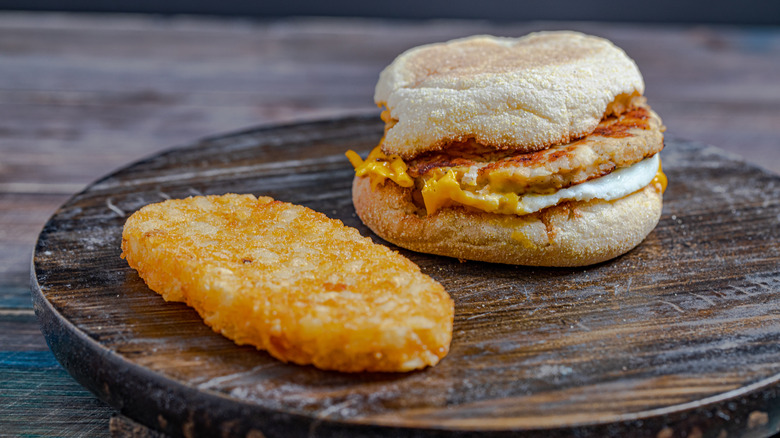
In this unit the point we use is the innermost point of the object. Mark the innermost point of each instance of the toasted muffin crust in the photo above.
(523, 94)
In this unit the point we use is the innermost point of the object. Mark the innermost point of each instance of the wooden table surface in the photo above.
(82, 95)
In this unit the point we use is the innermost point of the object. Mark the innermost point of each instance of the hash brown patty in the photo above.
(291, 281)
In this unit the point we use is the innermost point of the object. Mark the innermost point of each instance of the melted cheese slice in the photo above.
(380, 167)
(439, 192)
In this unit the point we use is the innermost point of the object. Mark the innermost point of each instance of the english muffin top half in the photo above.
(523, 94)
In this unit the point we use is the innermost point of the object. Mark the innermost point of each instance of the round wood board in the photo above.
(679, 337)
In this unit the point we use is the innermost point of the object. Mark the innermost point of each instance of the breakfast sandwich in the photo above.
(291, 281)
(539, 150)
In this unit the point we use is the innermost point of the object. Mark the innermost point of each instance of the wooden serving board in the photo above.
(679, 337)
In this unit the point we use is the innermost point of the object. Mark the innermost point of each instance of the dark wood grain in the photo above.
(675, 338)
(82, 95)
(123, 427)
(37, 384)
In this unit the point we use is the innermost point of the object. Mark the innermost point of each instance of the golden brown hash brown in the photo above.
(291, 281)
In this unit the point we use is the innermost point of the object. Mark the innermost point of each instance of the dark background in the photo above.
(752, 12)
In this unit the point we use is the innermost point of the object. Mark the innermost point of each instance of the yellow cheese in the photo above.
(444, 190)
(660, 179)
(440, 192)
(379, 167)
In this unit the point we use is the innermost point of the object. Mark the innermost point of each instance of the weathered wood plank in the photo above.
(39, 398)
(82, 95)
(21, 219)
(141, 87)
(20, 330)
